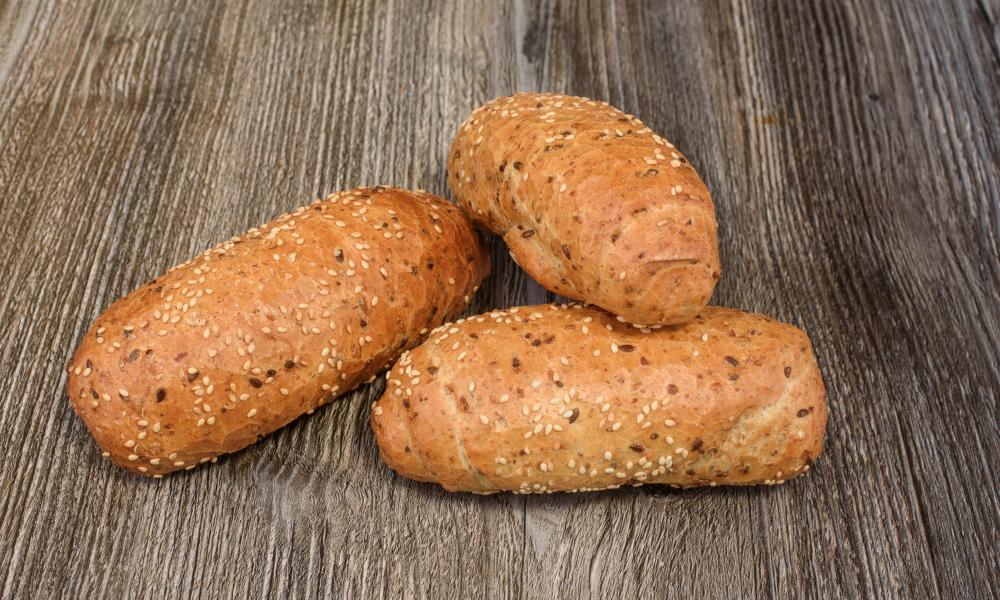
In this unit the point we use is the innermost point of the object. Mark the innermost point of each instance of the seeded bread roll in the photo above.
(228, 347)
(593, 204)
(553, 398)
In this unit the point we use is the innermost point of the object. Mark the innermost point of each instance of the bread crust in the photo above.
(230, 346)
(592, 203)
(553, 398)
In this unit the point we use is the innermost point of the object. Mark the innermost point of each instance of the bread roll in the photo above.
(554, 398)
(225, 349)
(593, 204)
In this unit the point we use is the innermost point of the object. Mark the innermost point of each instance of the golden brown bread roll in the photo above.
(236, 343)
(554, 398)
(593, 204)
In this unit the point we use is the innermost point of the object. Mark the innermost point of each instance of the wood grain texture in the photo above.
(852, 150)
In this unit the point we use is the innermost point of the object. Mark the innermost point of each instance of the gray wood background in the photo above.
(852, 148)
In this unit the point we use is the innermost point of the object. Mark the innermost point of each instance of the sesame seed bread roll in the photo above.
(592, 203)
(228, 347)
(555, 398)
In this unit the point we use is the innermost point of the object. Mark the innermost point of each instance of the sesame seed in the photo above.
(251, 413)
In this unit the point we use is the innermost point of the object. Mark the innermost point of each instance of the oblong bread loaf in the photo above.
(567, 398)
(592, 203)
(236, 343)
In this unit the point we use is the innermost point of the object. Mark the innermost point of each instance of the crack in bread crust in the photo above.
(449, 393)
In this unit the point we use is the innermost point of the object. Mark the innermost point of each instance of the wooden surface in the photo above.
(852, 148)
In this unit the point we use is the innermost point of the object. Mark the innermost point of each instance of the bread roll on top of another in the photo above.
(593, 204)
(265, 327)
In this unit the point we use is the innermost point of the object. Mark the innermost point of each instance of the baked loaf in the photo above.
(236, 343)
(554, 398)
(593, 204)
